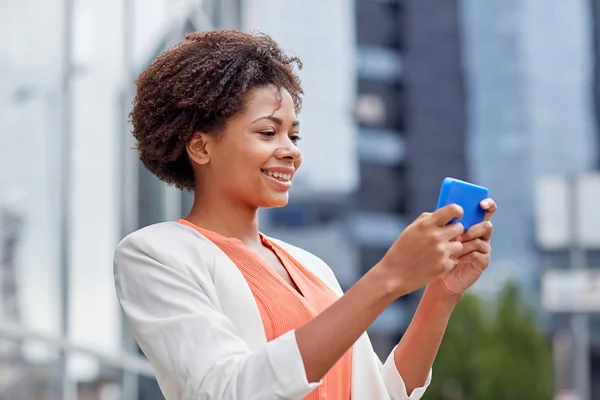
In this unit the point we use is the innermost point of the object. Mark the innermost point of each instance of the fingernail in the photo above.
(485, 203)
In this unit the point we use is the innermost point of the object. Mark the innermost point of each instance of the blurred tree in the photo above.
(493, 351)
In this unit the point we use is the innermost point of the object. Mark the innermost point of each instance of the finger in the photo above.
(455, 249)
(443, 215)
(489, 206)
(477, 258)
(475, 245)
(482, 230)
(452, 231)
(423, 216)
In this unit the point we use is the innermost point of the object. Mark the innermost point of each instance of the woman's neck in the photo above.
(229, 219)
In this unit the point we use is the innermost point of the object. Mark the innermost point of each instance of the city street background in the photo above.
(398, 95)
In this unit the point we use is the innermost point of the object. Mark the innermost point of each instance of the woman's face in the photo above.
(253, 161)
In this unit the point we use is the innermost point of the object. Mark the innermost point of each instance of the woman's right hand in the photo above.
(424, 251)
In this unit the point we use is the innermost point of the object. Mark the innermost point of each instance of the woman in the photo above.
(224, 312)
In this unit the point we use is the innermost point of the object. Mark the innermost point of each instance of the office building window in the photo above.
(381, 146)
(378, 63)
(379, 23)
(391, 103)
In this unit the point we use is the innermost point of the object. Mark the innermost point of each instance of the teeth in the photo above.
(278, 175)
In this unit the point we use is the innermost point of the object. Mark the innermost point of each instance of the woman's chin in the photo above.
(275, 201)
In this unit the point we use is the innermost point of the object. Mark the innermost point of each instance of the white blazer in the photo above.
(195, 318)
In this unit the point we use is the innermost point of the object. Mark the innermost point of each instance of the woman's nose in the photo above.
(288, 150)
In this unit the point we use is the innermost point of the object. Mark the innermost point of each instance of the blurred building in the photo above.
(529, 112)
(71, 187)
(500, 141)
(411, 114)
(399, 94)
(594, 257)
(471, 90)
(531, 115)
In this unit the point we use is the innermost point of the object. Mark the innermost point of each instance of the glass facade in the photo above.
(530, 115)
(530, 111)
(58, 105)
(499, 143)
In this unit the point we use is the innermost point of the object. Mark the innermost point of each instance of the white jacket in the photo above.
(194, 317)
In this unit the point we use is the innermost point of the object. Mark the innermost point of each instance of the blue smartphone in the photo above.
(466, 195)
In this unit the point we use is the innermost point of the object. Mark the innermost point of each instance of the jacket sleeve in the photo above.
(183, 333)
(395, 384)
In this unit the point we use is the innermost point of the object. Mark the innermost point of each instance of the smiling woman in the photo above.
(198, 85)
(256, 150)
(221, 310)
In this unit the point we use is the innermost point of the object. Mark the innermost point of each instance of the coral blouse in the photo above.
(282, 307)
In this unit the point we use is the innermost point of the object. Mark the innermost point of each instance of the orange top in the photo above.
(281, 307)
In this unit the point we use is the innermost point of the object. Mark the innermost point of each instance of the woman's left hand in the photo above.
(475, 256)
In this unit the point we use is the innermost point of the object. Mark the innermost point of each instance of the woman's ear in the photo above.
(197, 149)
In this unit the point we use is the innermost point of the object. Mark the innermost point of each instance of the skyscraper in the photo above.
(531, 116)
(411, 114)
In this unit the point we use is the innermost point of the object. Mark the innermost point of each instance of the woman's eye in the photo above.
(269, 134)
(295, 138)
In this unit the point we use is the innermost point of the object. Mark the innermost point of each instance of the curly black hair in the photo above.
(196, 86)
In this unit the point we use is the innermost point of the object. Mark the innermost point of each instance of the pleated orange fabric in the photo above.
(282, 308)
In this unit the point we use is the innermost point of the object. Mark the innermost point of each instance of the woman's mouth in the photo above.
(280, 180)
(277, 175)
